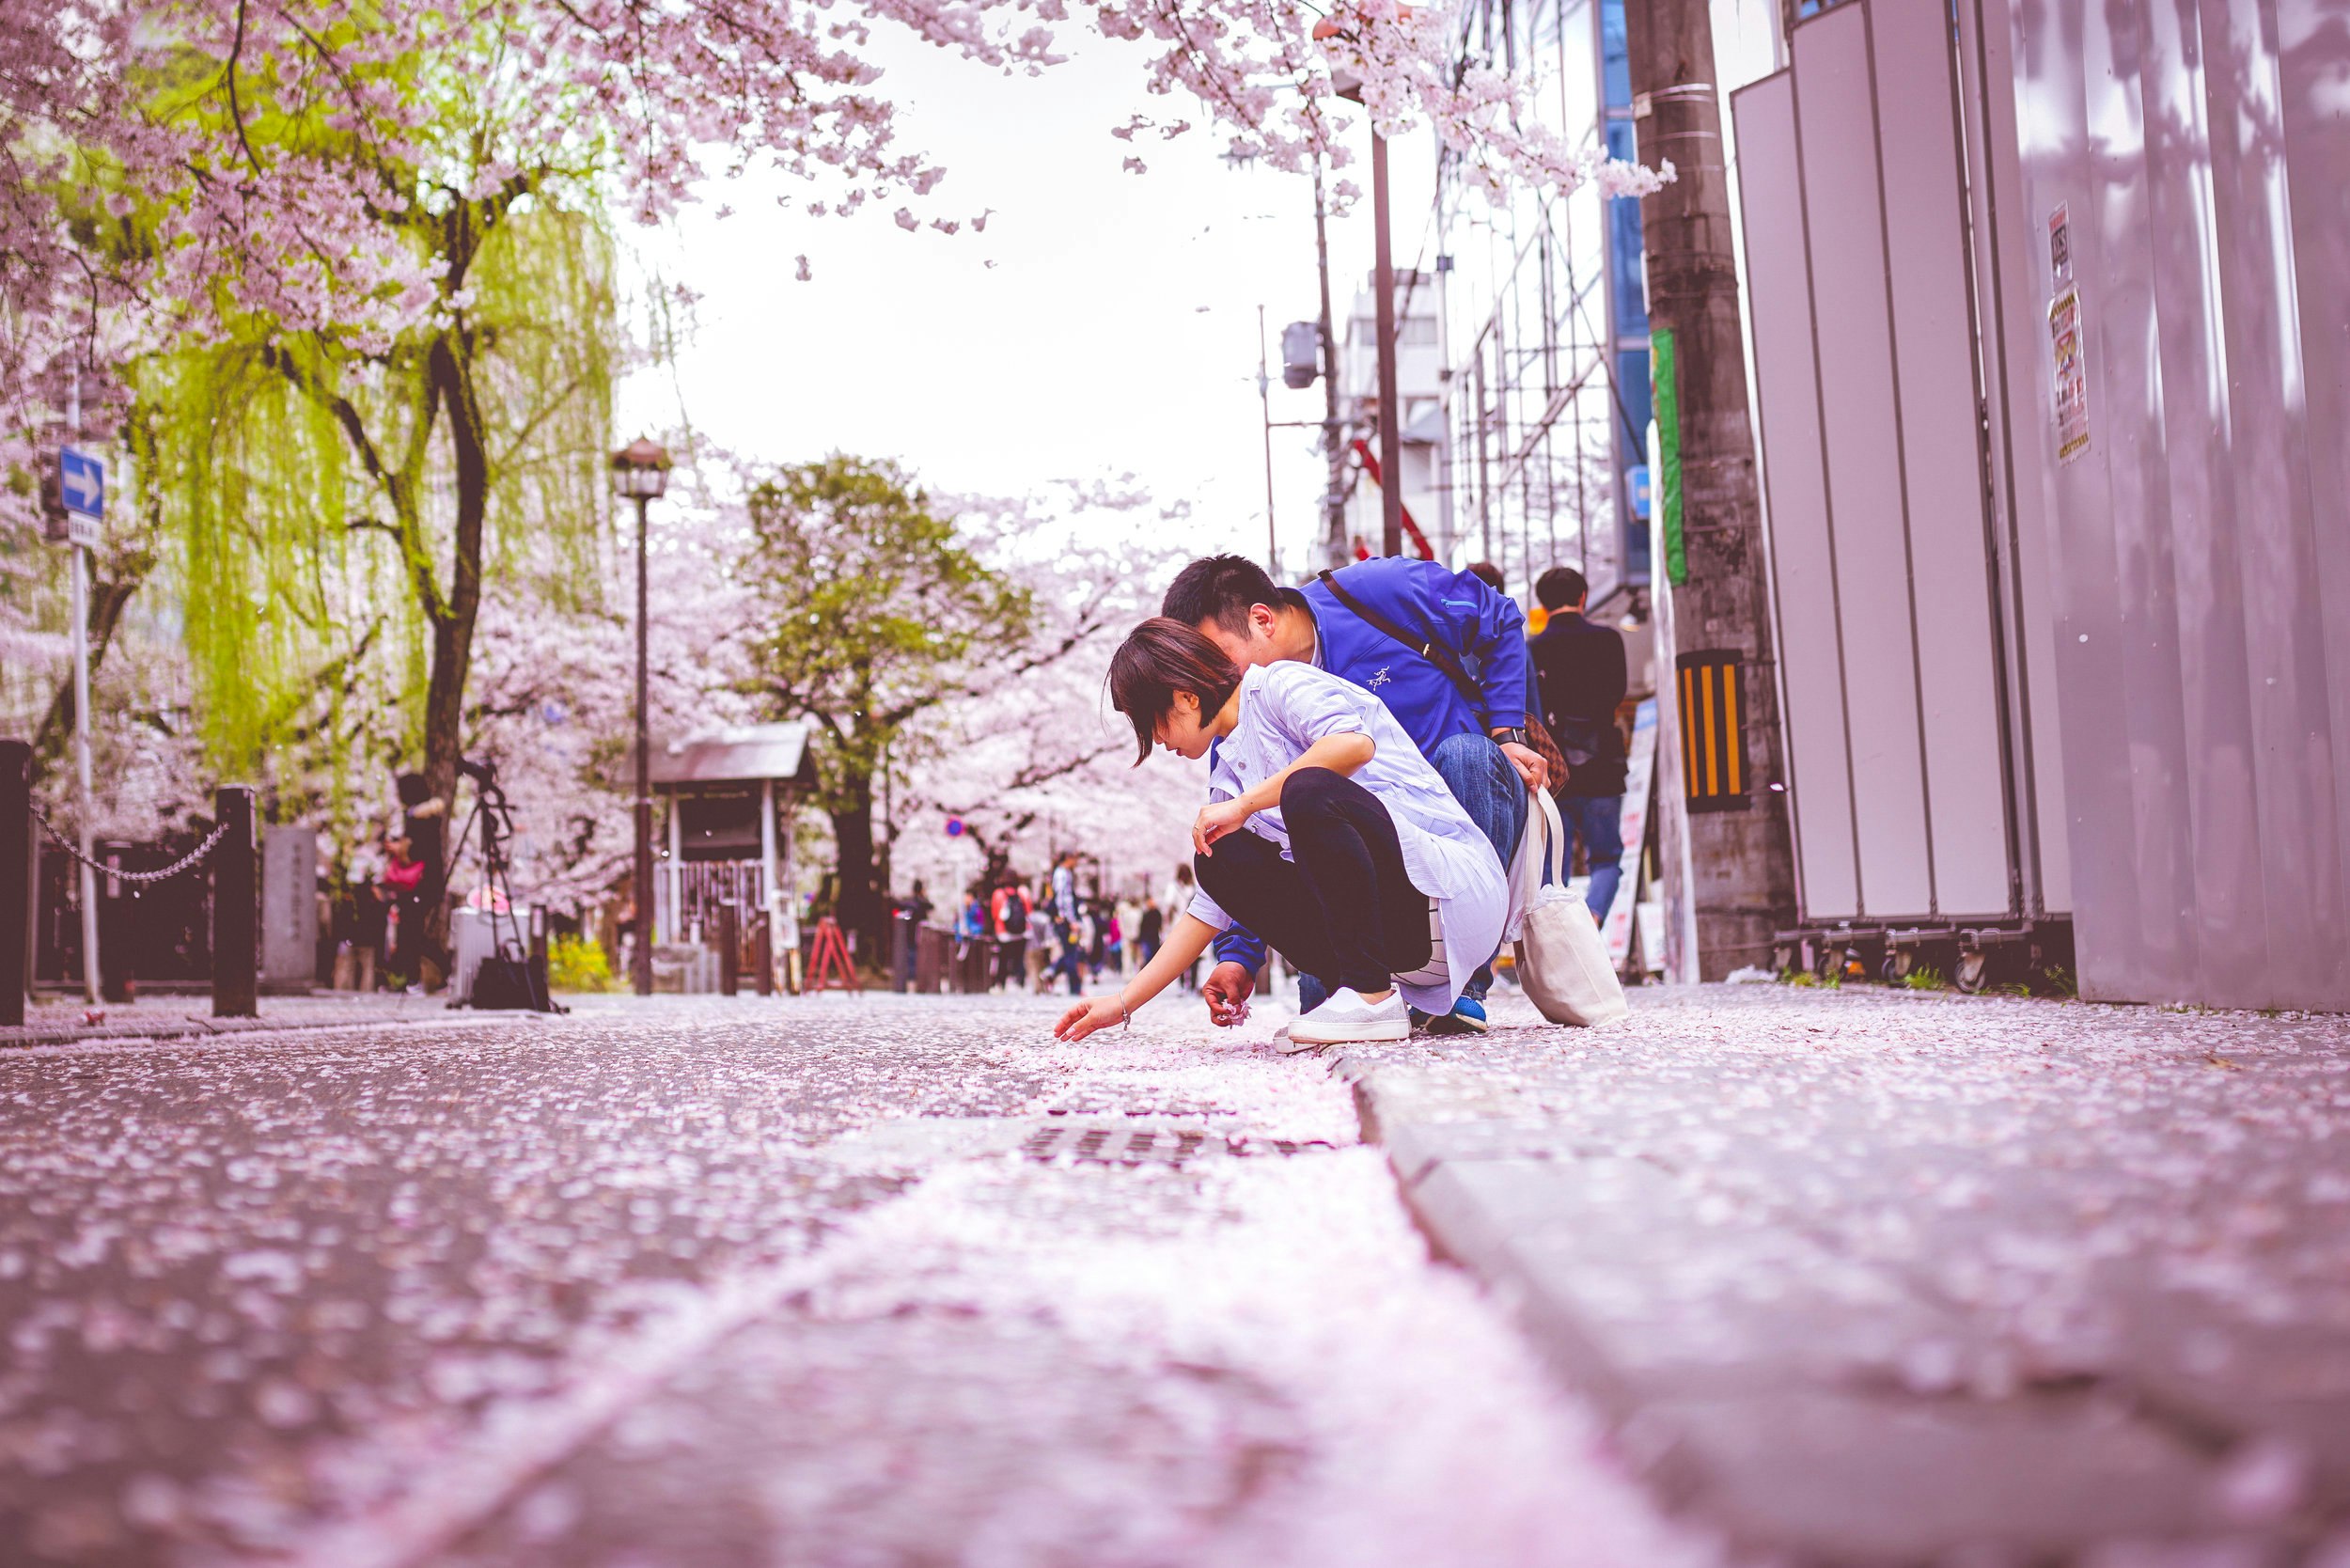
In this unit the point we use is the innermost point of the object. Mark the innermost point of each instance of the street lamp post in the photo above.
(641, 472)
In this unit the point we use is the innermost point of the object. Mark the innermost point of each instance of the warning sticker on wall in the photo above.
(2071, 374)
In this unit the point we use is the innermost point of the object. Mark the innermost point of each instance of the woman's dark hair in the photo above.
(1159, 658)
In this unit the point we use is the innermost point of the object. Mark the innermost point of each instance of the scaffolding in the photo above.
(1546, 387)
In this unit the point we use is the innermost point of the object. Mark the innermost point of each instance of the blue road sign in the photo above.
(81, 482)
(1636, 481)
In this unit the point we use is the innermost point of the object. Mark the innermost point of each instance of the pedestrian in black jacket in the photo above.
(1579, 668)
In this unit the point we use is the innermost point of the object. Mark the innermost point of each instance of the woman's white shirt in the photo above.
(1284, 708)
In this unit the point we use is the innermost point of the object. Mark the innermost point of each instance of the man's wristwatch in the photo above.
(1512, 735)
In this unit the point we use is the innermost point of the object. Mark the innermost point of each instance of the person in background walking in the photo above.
(1172, 902)
(1128, 915)
(1109, 937)
(1070, 930)
(1580, 668)
(914, 909)
(402, 891)
(1009, 918)
(1149, 927)
(371, 922)
(424, 827)
(971, 932)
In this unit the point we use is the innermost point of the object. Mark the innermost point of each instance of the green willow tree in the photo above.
(870, 611)
(334, 496)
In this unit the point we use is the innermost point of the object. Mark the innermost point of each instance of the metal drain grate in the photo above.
(1097, 1143)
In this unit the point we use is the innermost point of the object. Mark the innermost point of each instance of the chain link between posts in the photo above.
(166, 874)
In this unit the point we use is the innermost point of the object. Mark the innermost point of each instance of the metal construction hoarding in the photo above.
(2194, 158)
(1907, 756)
(2053, 396)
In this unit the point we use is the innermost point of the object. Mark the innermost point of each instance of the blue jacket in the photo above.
(1453, 609)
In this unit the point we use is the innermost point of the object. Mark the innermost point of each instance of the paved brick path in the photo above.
(1877, 1277)
(688, 1284)
(1858, 1278)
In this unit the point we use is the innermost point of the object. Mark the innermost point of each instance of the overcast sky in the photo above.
(1103, 324)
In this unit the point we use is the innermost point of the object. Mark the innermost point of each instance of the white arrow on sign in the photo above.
(82, 481)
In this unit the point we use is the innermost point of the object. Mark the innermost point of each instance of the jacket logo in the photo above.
(1379, 680)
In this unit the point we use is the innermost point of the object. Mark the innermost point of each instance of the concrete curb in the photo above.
(1756, 1380)
(165, 1031)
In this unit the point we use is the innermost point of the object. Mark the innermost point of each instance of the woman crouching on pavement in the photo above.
(1326, 832)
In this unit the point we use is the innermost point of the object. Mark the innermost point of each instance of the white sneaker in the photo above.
(1344, 1018)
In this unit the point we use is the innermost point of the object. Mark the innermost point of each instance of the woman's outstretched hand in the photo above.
(1085, 1017)
(1218, 819)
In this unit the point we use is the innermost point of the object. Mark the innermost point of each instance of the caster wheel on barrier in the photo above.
(1973, 972)
(1899, 962)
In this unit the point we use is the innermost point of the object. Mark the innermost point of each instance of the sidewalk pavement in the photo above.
(60, 1022)
(1871, 1277)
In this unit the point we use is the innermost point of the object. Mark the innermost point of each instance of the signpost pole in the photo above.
(80, 723)
(82, 769)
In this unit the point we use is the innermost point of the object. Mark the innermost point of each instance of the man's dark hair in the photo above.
(1159, 658)
(1219, 589)
(1562, 587)
(1489, 575)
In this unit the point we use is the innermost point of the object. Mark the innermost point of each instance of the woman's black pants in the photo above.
(1343, 909)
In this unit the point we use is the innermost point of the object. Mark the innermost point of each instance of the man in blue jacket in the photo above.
(1392, 626)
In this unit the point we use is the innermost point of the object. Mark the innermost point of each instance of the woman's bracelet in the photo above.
(1125, 1018)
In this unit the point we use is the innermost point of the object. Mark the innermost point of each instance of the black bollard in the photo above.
(16, 878)
(236, 907)
(729, 950)
(763, 955)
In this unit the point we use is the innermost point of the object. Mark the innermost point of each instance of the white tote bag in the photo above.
(1562, 959)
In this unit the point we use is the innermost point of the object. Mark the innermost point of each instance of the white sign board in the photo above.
(1639, 768)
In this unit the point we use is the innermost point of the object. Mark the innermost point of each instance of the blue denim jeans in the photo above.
(1598, 821)
(1493, 795)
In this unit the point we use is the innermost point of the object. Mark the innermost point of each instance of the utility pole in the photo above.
(1333, 430)
(1383, 284)
(1264, 406)
(1741, 861)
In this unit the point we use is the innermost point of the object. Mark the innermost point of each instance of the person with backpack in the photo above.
(1581, 668)
(1010, 914)
(1408, 632)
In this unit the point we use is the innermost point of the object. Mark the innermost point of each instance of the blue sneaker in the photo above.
(1467, 1017)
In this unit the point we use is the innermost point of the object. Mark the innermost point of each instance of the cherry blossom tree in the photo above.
(1029, 758)
(867, 611)
(346, 265)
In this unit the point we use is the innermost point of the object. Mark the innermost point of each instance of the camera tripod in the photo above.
(506, 978)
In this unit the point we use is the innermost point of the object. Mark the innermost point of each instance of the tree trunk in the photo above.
(1743, 861)
(451, 369)
(861, 905)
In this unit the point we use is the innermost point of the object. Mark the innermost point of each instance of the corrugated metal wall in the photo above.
(2200, 547)
(1886, 549)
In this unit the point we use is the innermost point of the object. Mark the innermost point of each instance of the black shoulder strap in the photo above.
(1434, 653)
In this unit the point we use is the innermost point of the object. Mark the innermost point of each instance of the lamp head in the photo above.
(640, 470)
